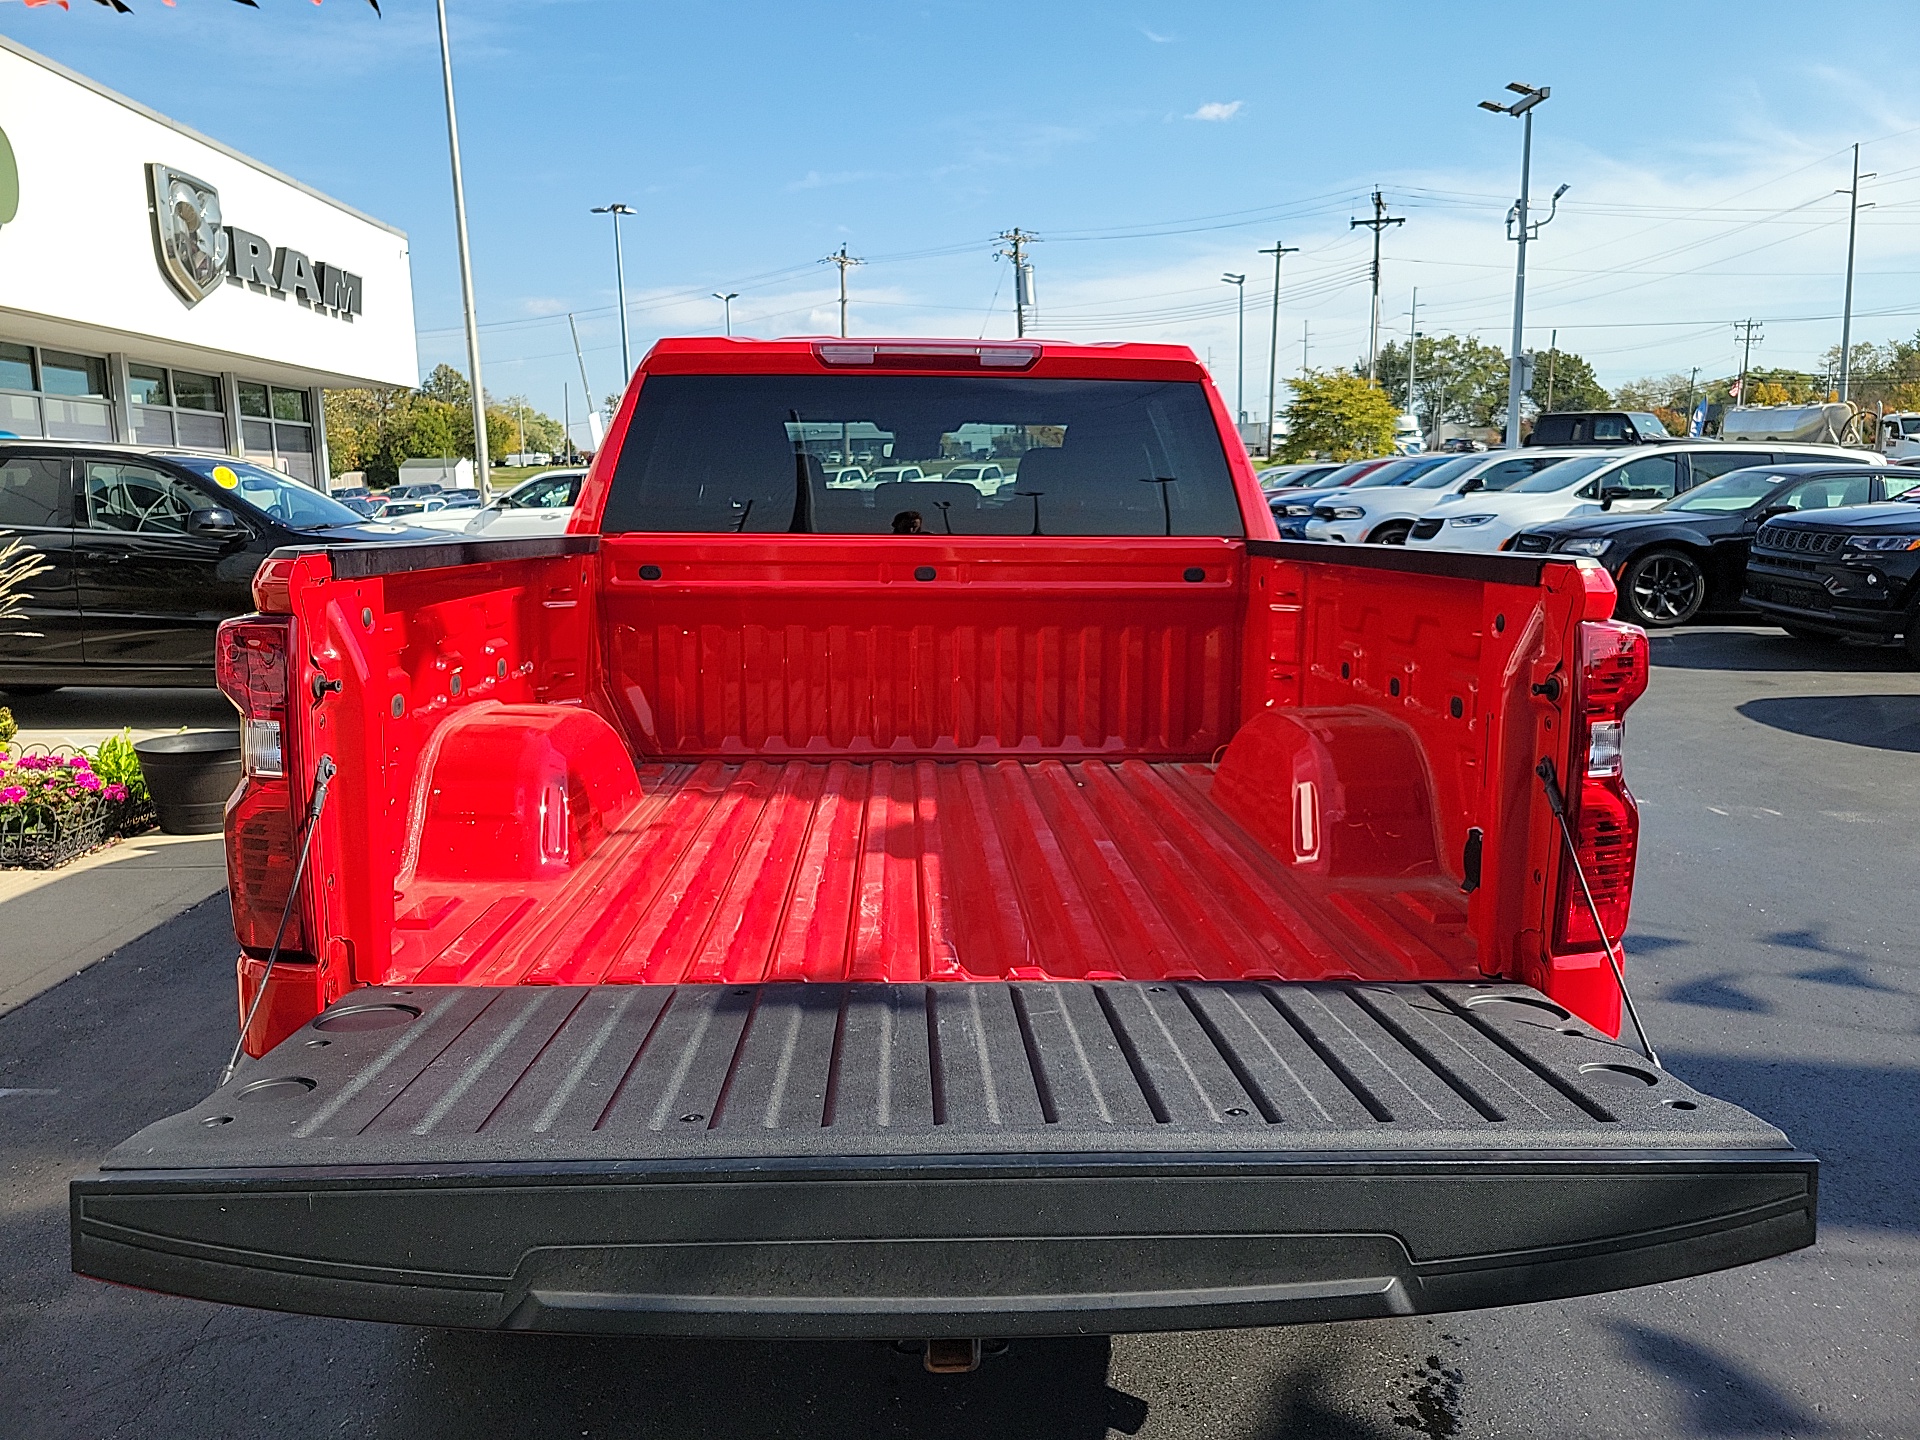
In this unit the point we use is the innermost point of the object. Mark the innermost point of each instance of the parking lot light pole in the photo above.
(481, 469)
(616, 210)
(1521, 229)
(1239, 283)
(727, 300)
(1279, 252)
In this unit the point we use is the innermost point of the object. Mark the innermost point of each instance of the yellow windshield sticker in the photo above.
(224, 477)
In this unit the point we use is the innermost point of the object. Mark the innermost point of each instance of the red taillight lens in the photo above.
(260, 858)
(251, 665)
(1606, 825)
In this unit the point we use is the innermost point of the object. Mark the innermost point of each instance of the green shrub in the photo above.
(115, 762)
(8, 729)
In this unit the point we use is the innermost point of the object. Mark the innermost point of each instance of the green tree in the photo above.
(1457, 379)
(1563, 380)
(1339, 415)
(542, 432)
(448, 384)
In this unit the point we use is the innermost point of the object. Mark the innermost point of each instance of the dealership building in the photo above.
(157, 287)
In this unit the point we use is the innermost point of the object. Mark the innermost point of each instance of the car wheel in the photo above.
(1394, 532)
(27, 692)
(1663, 587)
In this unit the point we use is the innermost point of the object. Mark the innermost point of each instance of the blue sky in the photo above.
(1151, 147)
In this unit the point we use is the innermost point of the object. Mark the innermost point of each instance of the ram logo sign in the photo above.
(187, 232)
(197, 252)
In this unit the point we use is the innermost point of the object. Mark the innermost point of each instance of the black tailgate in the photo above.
(938, 1160)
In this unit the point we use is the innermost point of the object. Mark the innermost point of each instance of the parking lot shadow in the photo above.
(507, 1386)
(1884, 722)
(1765, 648)
(1719, 1396)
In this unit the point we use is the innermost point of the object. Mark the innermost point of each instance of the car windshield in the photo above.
(271, 493)
(1398, 472)
(1562, 476)
(1647, 424)
(548, 492)
(1735, 490)
(745, 454)
(1445, 474)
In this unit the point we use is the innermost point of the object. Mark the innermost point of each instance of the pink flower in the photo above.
(88, 781)
(78, 762)
(115, 793)
(12, 795)
(34, 762)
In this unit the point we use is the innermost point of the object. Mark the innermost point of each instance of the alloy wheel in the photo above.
(1666, 589)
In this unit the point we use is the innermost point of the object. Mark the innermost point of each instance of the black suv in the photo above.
(1854, 571)
(145, 553)
(1689, 554)
(1597, 427)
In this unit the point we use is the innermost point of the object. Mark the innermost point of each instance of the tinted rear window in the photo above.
(719, 454)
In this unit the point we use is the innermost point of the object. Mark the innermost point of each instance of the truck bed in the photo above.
(925, 870)
(956, 1159)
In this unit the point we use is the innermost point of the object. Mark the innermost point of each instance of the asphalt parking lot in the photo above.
(1774, 950)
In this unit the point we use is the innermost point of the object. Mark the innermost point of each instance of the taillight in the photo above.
(251, 666)
(1606, 824)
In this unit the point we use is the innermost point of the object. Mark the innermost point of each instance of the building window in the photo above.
(53, 393)
(276, 428)
(176, 407)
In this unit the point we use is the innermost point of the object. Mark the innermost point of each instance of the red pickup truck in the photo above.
(899, 910)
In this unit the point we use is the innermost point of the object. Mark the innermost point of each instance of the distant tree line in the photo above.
(372, 431)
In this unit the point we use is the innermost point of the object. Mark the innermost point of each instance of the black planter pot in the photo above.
(190, 777)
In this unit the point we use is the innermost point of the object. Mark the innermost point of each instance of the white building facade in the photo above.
(157, 287)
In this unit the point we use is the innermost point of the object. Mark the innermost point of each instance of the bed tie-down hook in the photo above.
(1557, 802)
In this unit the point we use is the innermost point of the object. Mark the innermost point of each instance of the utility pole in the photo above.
(1304, 324)
(1747, 327)
(616, 210)
(482, 470)
(846, 262)
(566, 414)
(1846, 313)
(727, 300)
(1239, 283)
(1023, 291)
(1553, 355)
(1520, 227)
(586, 389)
(1380, 221)
(1278, 252)
(1413, 345)
(1692, 379)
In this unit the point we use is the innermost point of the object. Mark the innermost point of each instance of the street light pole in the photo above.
(1846, 314)
(727, 300)
(1522, 229)
(1273, 350)
(1239, 283)
(482, 469)
(1413, 346)
(616, 210)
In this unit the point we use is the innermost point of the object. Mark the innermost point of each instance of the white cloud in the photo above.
(1156, 38)
(817, 180)
(1217, 110)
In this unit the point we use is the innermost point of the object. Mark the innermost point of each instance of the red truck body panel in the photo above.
(927, 757)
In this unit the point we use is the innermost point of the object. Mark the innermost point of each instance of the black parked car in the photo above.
(147, 552)
(1597, 427)
(1689, 553)
(1854, 571)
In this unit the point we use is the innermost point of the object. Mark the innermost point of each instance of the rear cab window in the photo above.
(33, 493)
(718, 454)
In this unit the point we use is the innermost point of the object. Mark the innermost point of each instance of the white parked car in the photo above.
(539, 505)
(1638, 477)
(987, 479)
(850, 477)
(894, 475)
(1382, 515)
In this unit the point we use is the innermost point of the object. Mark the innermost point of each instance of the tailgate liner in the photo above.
(938, 1160)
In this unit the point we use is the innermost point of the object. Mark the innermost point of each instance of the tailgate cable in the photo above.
(322, 777)
(1557, 801)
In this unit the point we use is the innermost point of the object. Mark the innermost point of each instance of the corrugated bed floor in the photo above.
(925, 870)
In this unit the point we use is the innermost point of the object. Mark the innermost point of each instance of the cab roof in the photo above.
(835, 355)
